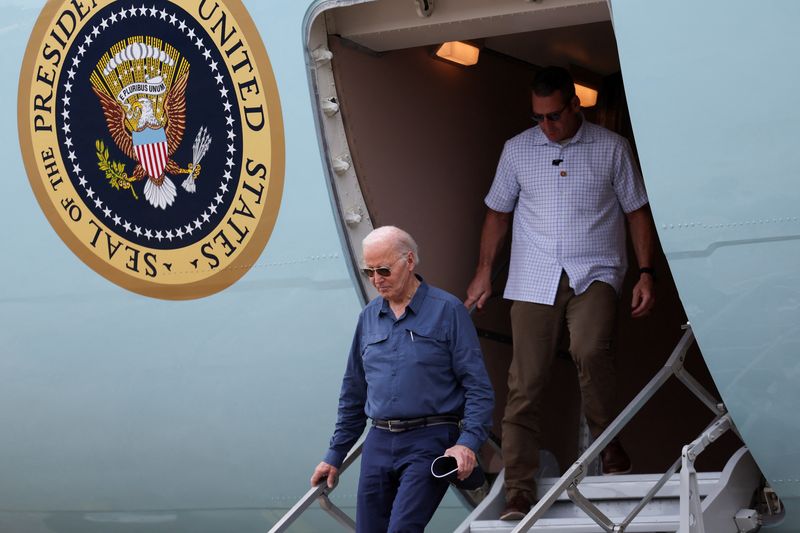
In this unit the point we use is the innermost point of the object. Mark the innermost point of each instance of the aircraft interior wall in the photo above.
(425, 137)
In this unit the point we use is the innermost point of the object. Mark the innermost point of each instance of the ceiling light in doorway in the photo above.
(459, 52)
(587, 95)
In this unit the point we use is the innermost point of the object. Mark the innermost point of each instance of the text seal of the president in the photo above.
(153, 140)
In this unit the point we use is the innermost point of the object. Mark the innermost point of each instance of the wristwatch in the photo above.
(648, 270)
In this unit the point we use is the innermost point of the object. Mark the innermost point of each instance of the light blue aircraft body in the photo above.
(715, 135)
(126, 412)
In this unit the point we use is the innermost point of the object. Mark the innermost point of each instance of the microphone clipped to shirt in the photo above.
(557, 162)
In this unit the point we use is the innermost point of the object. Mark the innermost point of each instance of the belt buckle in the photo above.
(394, 429)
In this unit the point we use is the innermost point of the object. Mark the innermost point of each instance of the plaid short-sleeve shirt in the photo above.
(569, 214)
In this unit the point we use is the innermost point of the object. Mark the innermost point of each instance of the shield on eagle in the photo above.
(151, 150)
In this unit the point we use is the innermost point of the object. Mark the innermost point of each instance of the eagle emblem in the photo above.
(141, 86)
(118, 102)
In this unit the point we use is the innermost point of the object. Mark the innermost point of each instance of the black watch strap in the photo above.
(648, 270)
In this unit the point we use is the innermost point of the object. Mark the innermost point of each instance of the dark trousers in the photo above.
(396, 491)
(591, 319)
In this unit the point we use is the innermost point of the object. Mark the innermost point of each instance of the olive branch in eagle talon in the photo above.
(115, 170)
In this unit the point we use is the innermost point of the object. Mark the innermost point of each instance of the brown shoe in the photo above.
(615, 460)
(516, 508)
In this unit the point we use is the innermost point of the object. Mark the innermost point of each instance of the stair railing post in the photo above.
(691, 514)
(590, 509)
(320, 493)
(337, 514)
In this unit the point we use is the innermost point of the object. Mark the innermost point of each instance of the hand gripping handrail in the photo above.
(573, 476)
(321, 492)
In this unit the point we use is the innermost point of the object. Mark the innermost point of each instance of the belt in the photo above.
(397, 426)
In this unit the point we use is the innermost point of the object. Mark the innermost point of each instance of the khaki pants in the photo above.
(590, 318)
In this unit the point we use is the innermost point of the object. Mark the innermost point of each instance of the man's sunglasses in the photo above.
(383, 272)
(552, 117)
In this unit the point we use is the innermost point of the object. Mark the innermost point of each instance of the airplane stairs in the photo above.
(725, 498)
(680, 500)
(683, 500)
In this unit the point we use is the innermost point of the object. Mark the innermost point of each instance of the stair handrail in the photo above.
(573, 476)
(320, 493)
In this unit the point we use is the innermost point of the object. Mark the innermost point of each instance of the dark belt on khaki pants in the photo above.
(397, 426)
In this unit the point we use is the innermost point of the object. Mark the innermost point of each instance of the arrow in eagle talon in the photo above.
(201, 143)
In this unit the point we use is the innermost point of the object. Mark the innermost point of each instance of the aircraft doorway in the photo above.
(414, 141)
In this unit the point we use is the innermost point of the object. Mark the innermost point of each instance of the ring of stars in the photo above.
(111, 217)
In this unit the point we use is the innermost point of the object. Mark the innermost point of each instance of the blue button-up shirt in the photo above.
(568, 216)
(427, 362)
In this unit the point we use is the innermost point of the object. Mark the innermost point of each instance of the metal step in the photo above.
(583, 525)
(722, 494)
(615, 496)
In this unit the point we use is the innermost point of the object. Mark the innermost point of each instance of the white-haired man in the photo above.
(416, 369)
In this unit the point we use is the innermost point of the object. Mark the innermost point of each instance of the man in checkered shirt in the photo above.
(571, 185)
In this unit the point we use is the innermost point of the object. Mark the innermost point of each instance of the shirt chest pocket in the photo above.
(592, 187)
(376, 350)
(430, 346)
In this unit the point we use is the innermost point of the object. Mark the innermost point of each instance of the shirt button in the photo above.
(563, 173)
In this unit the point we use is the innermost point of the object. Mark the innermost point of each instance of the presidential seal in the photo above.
(153, 141)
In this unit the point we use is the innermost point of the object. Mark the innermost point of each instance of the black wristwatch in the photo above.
(648, 270)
